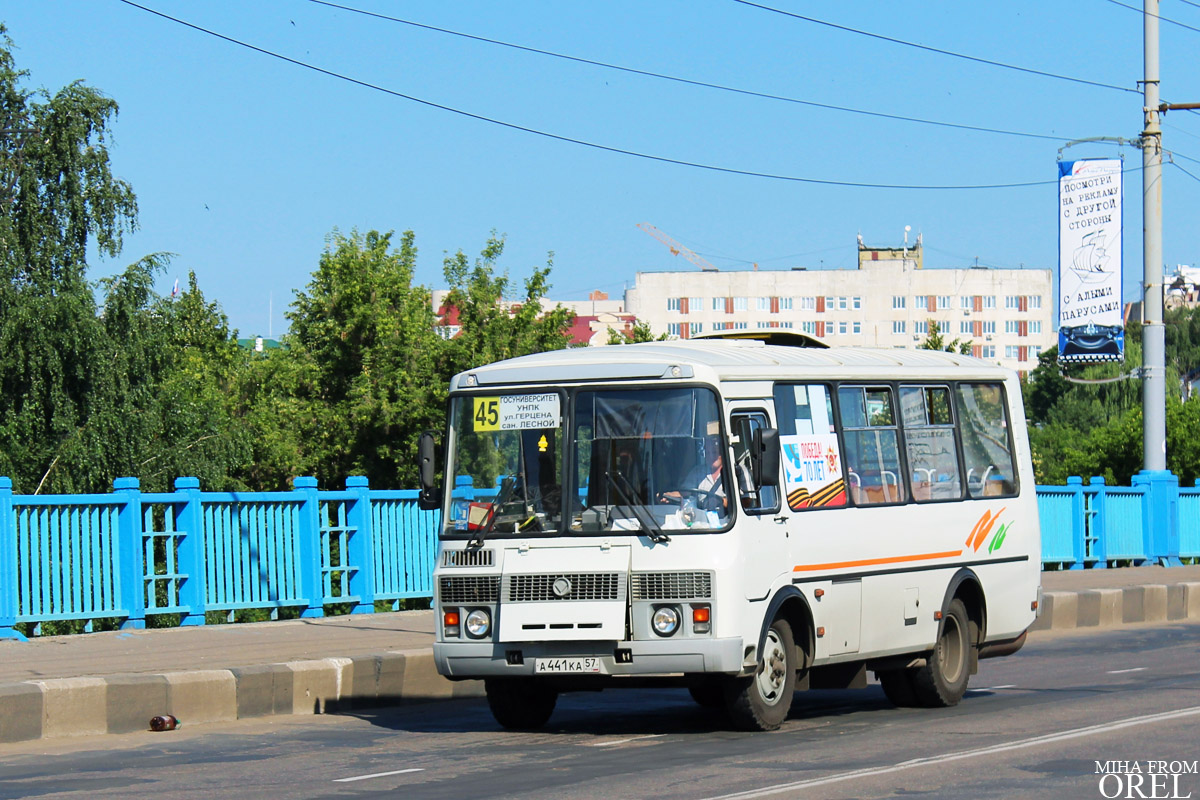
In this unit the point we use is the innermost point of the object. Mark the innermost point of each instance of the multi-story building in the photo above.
(890, 300)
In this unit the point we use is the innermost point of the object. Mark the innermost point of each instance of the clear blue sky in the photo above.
(243, 163)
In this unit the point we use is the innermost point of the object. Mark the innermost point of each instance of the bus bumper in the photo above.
(513, 659)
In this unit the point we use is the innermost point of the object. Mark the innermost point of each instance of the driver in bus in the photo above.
(704, 483)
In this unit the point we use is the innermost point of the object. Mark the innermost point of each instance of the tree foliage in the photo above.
(935, 340)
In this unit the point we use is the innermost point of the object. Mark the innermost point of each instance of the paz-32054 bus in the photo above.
(737, 518)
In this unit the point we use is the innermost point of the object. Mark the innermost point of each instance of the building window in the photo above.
(739, 326)
(718, 304)
(841, 327)
(1035, 326)
(943, 301)
(898, 301)
(695, 304)
(921, 326)
(842, 303)
(965, 327)
(697, 327)
(739, 304)
(856, 327)
(673, 328)
(785, 303)
(763, 324)
(809, 327)
(987, 351)
(856, 303)
(674, 303)
(920, 301)
(898, 326)
(1011, 326)
(787, 325)
(966, 302)
(989, 301)
(1035, 301)
(829, 304)
(989, 326)
(808, 304)
(764, 304)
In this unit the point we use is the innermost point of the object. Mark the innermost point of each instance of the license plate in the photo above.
(587, 664)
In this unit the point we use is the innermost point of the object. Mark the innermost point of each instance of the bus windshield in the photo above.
(637, 460)
(648, 458)
(506, 458)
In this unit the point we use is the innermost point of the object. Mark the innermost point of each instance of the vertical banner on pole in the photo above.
(1091, 327)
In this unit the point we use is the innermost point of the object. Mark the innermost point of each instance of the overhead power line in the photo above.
(938, 50)
(582, 142)
(1161, 18)
(689, 81)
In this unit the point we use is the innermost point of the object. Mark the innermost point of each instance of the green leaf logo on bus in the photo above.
(983, 527)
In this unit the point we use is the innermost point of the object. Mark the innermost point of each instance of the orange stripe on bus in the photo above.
(870, 562)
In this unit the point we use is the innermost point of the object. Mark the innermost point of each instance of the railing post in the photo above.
(1099, 522)
(8, 564)
(309, 528)
(1160, 516)
(189, 518)
(1078, 522)
(132, 577)
(361, 545)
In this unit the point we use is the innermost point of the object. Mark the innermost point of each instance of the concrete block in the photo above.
(314, 685)
(131, 700)
(421, 679)
(1099, 608)
(203, 695)
(1144, 604)
(23, 710)
(74, 707)
(1191, 600)
(1059, 611)
(263, 690)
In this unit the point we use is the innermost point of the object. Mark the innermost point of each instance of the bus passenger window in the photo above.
(811, 454)
(929, 442)
(872, 445)
(987, 448)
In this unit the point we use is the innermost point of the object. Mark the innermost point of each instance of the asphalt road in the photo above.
(1033, 726)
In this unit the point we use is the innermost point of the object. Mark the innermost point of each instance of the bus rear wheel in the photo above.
(943, 679)
(898, 686)
(761, 702)
(520, 703)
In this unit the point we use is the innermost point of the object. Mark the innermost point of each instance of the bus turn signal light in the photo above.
(450, 623)
(701, 619)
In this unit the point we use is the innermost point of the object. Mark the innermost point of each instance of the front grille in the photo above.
(583, 586)
(672, 586)
(470, 589)
(468, 558)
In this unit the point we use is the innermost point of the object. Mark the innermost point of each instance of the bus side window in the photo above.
(929, 442)
(872, 445)
(987, 448)
(755, 500)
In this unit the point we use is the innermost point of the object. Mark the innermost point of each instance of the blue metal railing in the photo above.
(129, 554)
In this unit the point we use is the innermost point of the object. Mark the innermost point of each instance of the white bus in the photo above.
(741, 519)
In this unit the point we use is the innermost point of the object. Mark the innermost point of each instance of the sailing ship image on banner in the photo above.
(1089, 275)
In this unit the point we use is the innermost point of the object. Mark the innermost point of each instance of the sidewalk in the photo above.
(114, 682)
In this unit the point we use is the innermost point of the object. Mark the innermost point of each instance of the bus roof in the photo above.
(724, 360)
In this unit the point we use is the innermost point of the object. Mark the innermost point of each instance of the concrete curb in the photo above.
(125, 703)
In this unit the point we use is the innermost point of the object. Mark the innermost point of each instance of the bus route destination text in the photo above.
(516, 412)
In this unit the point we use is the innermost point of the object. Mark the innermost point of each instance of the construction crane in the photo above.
(676, 248)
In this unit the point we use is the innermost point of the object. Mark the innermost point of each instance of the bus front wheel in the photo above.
(761, 702)
(943, 679)
(520, 703)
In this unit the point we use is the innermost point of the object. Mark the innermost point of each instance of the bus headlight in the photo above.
(665, 620)
(478, 623)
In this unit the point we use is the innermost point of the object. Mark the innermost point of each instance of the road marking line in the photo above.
(630, 739)
(1123, 671)
(1018, 744)
(375, 775)
(994, 688)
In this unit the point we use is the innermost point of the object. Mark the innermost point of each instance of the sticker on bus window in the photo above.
(516, 412)
(812, 468)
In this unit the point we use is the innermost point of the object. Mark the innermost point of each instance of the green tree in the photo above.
(59, 197)
(640, 333)
(491, 329)
(934, 340)
(367, 371)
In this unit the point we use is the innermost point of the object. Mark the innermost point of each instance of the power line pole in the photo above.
(1154, 423)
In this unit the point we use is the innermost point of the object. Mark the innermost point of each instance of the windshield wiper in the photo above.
(625, 494)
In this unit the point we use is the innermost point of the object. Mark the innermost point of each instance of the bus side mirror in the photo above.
(429, 498)
(767, 454)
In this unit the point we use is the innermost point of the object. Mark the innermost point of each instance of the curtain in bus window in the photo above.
(872, 445)
(929, 442)
(812, 458)
(987, 453)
